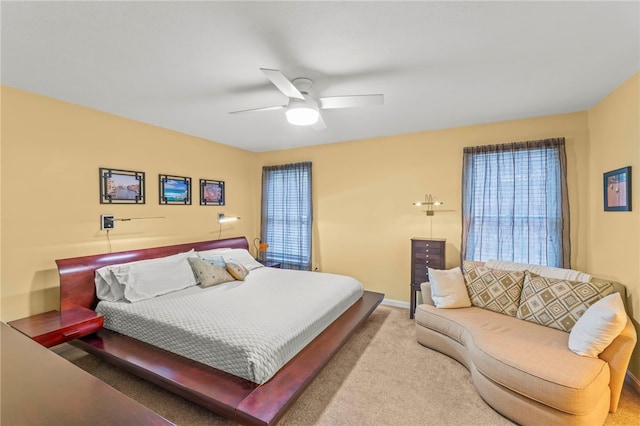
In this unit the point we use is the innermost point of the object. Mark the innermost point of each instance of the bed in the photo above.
(240, 399)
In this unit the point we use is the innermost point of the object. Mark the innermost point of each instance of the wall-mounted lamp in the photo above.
(224, 219)
(428, 202)
(108, 221)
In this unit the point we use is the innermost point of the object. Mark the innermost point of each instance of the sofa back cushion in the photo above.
(558, 303)
(544, 271)
(493, 289)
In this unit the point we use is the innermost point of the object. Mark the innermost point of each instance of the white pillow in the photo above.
(601, 323)
(107, 286)
(150, 278)
(448, 289)
(213, 252)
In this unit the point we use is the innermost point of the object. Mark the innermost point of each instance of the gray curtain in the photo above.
(515, 204)
(287, 215)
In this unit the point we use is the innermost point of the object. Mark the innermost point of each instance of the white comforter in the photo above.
(247, 328)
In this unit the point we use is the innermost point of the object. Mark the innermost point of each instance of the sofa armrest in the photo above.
(425, 289)
(617, 355)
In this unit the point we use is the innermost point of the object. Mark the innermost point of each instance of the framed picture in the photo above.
(175, 190)
(617, 190)
(121, 186)
(211, 192)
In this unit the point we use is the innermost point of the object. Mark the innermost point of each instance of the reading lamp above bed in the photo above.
(223, 219)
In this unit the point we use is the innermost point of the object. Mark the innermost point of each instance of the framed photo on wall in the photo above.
(121, 186)
(175, 190)
(617, 190)
(211, 192)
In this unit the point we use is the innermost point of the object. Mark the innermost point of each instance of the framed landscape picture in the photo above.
(175, 190)
(121, 186)
(617, 190)
(211, 192)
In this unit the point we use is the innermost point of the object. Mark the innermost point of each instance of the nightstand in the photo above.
(269, 264)
(53, 327)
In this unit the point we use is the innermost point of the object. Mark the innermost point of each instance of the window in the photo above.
(515, 203)
(287, 214)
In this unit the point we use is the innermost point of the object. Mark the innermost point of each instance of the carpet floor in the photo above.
(381, 376)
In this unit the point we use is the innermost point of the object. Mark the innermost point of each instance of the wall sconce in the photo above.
(224, 219)
(428, 202)
(108, 221)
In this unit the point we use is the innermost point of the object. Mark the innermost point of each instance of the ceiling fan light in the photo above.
(302, 115)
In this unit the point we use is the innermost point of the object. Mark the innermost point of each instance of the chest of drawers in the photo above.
(425, 253)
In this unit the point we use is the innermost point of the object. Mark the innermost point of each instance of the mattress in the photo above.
(247, 328)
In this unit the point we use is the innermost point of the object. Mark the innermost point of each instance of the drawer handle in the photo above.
(71, 333)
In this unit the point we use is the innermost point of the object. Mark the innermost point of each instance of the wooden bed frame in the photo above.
(230, 396)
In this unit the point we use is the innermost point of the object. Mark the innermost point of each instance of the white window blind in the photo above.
(287, 214)
(515, 204)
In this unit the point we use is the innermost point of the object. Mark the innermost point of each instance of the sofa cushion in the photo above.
(493, 289)
(558, 303)
(542, 270)
(527, 358)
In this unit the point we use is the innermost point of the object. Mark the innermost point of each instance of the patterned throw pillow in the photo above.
(558, 303)
(237, 270)
(209, 274)
(216, 260)
(493, 289)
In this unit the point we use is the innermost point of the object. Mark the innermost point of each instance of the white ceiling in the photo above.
(185, 65)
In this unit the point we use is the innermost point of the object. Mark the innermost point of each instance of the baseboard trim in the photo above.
(395, 303)
(632, 381)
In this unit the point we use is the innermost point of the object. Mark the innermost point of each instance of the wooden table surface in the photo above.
(41, 388)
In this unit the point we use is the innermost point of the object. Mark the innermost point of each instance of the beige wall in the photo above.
(614, 237)
(51, 153)
(364, 190)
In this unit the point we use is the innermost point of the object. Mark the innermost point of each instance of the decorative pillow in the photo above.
(558, 303)
(493, 289)
(236, 270)
(598, 327)
(215, 260)
(243, 257)
(448, 289)
(150, 278)
(209, 274)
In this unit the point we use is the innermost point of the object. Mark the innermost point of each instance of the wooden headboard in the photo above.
(77, 275)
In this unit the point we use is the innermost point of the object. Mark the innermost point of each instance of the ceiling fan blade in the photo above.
(271, 108)
(320, 124)
(351, 101)
(282, 83)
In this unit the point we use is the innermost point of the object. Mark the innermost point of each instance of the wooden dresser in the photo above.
(425, 253)
(41, 388)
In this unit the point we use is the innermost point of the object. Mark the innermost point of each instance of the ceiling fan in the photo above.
(303, 109)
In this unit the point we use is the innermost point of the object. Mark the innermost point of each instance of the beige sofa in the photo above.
(524, 370)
